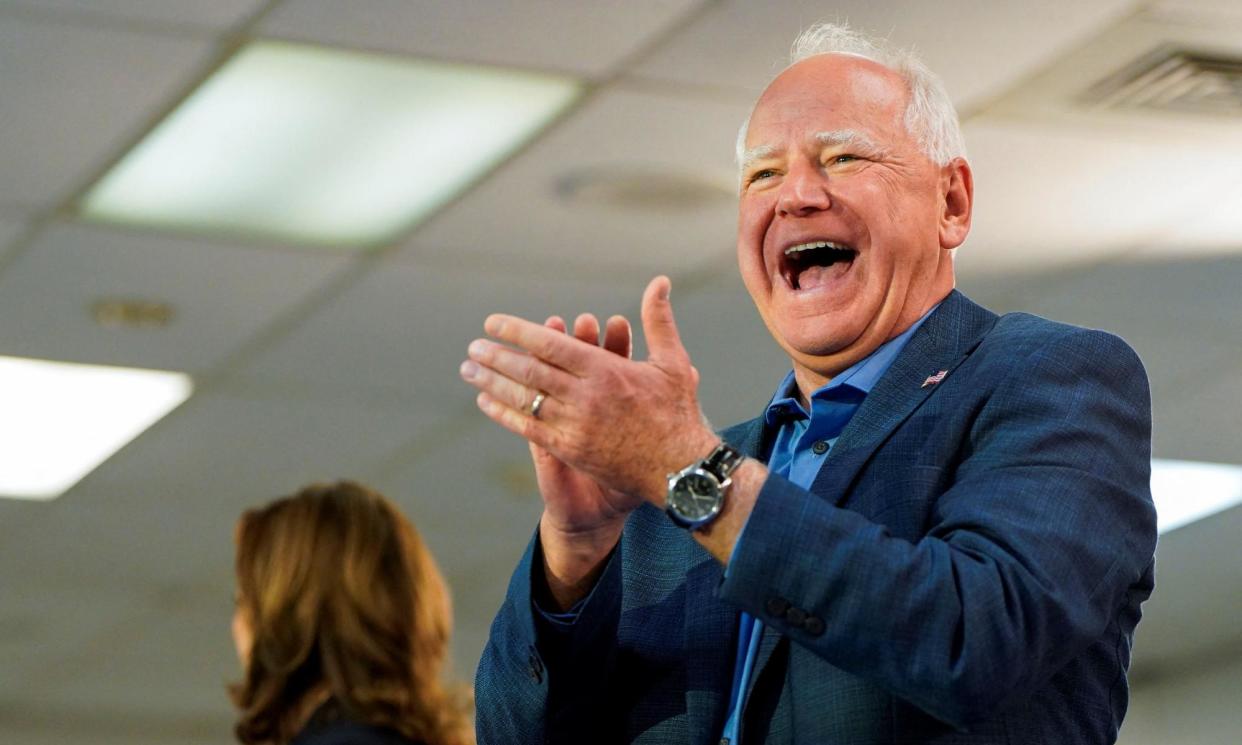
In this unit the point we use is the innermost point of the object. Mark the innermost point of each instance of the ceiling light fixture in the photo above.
(61, 419)
(325, 147)
(1186, 491)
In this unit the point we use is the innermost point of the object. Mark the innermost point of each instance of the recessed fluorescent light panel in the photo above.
(325, 147)
(61, 420)
(1186, 491)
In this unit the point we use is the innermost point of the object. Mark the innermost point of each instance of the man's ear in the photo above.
(957, 188)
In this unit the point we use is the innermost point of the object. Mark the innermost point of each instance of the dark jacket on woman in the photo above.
(329, 726)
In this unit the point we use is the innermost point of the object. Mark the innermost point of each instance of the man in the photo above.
(940, 530)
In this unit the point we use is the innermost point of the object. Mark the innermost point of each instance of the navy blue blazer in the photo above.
(968, 567)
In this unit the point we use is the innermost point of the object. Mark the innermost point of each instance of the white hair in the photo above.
(930, 116)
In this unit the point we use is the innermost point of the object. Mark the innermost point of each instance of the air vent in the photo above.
(1175, 80)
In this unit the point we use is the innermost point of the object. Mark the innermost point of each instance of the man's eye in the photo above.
(759, 175)
(844, 158)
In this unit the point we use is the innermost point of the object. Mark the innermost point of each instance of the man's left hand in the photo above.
(626, 423)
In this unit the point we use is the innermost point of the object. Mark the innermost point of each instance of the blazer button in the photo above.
(777, 606)
(795, 616)
(813, 625)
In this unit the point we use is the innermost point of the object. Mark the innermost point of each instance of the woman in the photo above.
(342, 625)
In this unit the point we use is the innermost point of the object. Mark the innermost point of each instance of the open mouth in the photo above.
(808, 265)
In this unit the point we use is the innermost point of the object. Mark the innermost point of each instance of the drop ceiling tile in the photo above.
(219, 14)
(163, 509)
(1166, 297)
(978, 48)
(1180, 316)
(74, 96)
(9, 229)
(1049, 197)
(472, 497)
(44, 623)
(1068, 92)
(477, 596)
(739, 363)
(1205, 11)
(1199, 420)
(589, 38)
(1002, 292)
(56, 726)
(1210, 227)
(174, 663)
(402, 329)
(1198, 596)
(524, 214)
(221, 295)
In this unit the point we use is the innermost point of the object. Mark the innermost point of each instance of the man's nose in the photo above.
(805, 191)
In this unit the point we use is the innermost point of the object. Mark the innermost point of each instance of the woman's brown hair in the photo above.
(340, 593)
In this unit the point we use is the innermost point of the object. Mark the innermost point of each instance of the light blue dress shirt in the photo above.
(802, 444)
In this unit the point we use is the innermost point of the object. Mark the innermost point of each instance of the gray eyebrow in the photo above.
(846, 137)
(758, 152)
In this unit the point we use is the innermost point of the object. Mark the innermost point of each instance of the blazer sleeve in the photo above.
(1046, 524)
(541, 681)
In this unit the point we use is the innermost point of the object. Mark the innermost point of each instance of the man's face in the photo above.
(840, 238)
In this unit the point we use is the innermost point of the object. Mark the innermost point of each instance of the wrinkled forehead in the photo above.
(830, 92)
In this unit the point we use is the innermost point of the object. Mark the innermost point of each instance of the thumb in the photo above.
(663, 341)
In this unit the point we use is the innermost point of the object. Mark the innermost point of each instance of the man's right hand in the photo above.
(582, 520)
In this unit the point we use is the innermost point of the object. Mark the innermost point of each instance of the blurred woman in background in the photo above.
(342, 626)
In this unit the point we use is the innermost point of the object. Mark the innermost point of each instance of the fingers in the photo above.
(586, 328)
(544, 343)
(664, 346)
(619, 337)
(514, 378)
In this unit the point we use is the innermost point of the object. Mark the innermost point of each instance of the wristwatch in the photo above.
(696, 493)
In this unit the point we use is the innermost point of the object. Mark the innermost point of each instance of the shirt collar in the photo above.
(854, 383)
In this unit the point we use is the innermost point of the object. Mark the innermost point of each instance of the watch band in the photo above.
(722, 461)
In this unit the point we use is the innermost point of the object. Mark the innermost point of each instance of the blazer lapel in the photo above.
(942, 343)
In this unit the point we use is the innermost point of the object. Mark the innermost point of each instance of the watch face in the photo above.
(696, 495)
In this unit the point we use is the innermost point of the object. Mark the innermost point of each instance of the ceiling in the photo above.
(316, 365)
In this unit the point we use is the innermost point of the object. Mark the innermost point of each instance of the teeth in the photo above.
(813, 245)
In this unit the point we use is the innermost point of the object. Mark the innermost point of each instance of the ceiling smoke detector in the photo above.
(1174, 79)
(132, 313)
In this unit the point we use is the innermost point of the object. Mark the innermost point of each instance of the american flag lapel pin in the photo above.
(934, 379)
